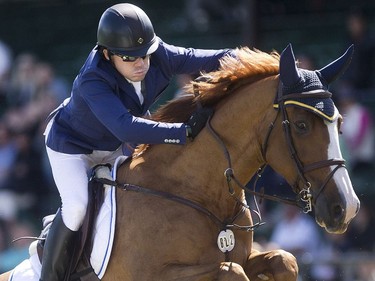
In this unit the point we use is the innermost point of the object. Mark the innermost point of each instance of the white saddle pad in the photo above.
(104, 230)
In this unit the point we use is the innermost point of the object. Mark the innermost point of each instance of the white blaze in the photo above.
(341, 176)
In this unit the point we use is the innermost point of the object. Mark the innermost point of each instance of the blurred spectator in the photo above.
(5, 59)
(5, 66)
(203, 14)
(354, 90)
(35, 91)
(26, 179)
(298, 233)
(8, 153)
(358, 240)
(292, 221)
(358, 131)
(21, 88)
(361, 73)
(361, 232)
(8, 206)
(49, 85)
(306, 61)
(3, 242)
(31, 91)
(19, 250)
(8, 217)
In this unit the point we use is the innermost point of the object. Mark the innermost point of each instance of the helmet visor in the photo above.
(139, 51)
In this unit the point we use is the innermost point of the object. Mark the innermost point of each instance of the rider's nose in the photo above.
(139, 61)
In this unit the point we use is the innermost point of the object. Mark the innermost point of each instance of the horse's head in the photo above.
(311, 124)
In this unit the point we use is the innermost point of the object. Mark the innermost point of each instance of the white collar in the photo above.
(138, 89)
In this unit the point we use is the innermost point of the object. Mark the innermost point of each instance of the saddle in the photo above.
(80, 268)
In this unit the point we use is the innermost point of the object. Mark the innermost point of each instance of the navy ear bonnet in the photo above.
(310, 85)
(308, 81)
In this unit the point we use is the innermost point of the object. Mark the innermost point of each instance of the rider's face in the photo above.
(132, 70)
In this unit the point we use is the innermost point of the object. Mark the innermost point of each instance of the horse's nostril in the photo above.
(338, 211)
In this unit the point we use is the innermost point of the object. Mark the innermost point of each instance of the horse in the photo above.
(181, 211)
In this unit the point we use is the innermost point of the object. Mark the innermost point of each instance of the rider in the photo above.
(122, 77)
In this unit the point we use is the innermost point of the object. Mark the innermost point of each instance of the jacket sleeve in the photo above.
(109, 110)
(189, 60)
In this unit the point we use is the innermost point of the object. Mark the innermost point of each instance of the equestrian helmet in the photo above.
(126, 29)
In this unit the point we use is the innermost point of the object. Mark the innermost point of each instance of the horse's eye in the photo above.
(301, 126)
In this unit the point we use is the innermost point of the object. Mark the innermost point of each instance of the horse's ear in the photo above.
(333, 70)
(289, 74)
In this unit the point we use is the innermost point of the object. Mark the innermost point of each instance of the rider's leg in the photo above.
(58, 250)
(70, 174)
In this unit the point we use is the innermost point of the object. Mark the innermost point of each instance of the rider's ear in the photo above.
(106, 54)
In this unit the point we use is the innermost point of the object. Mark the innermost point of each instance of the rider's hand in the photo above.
(197, 121)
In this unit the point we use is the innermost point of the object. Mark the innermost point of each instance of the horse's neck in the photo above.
(196, 170)
(243, 125)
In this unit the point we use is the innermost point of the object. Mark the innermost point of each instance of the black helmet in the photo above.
(126, 29)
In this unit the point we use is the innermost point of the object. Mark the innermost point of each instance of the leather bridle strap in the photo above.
(290, 144)
(222, 224)
(340, 163)
(305, 193)
(322, 164)
(229, 175)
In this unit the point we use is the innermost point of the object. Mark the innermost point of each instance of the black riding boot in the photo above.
(58, 251)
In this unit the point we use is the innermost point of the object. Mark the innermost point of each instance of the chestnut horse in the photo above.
(179, 218)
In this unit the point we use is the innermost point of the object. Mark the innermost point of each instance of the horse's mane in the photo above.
(247, 66)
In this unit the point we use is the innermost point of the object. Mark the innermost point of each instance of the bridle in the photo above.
(305, 194)
(305, 197)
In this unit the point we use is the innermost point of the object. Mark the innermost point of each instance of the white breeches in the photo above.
(71, 175)
(71, 172)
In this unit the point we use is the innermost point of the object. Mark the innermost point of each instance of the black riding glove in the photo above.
(197, 121)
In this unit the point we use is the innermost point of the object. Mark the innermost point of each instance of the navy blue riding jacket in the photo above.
(104, 110)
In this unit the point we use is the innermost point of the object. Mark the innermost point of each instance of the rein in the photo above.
(222, 224)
